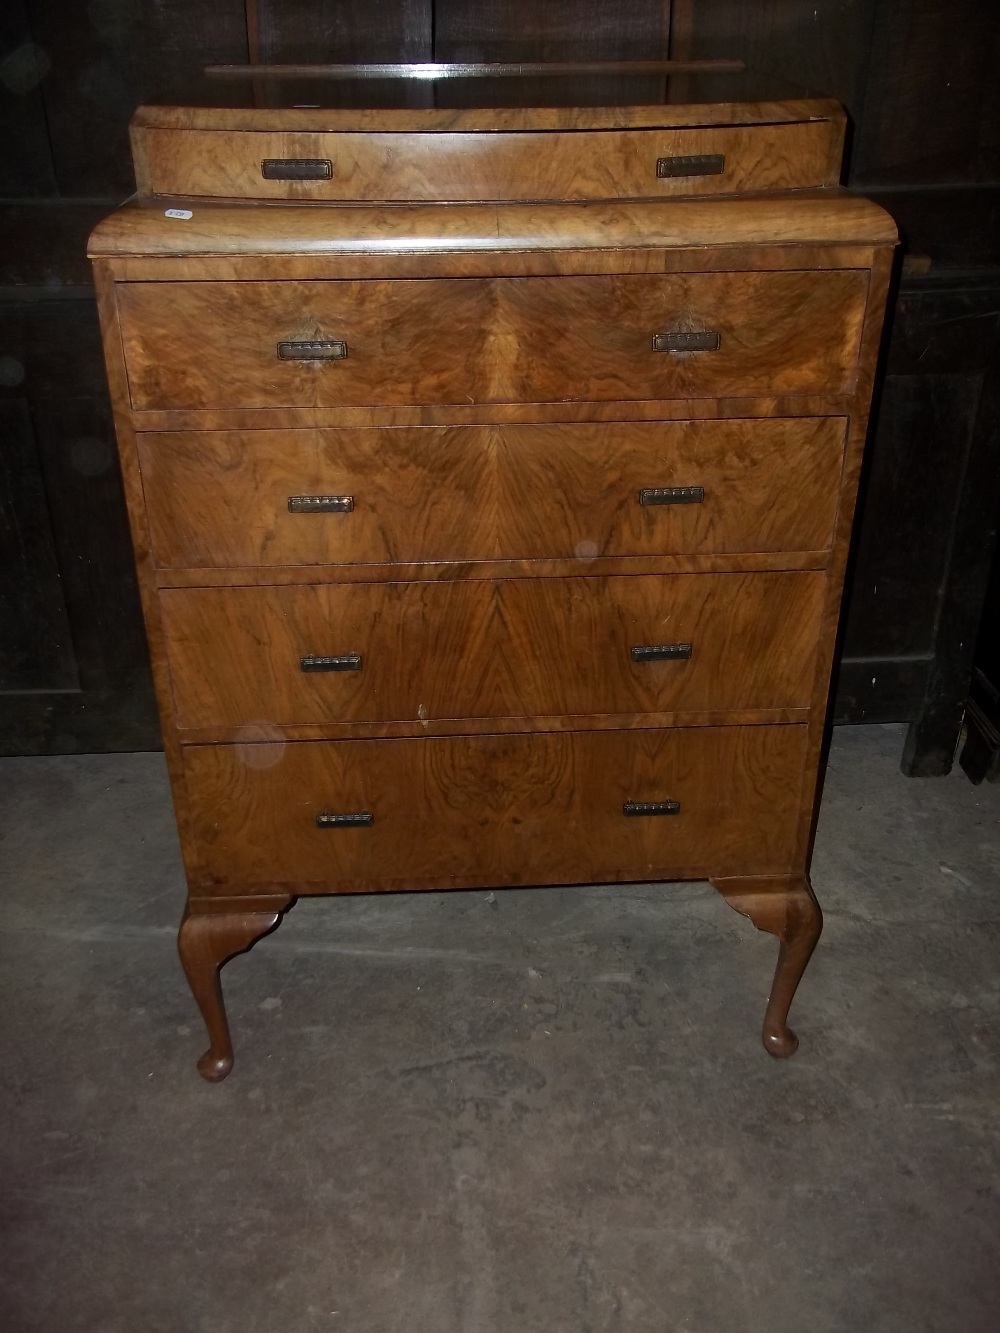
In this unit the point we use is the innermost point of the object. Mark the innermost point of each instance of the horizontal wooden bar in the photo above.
(433, 69)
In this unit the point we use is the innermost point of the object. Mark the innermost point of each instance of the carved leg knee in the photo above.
(786, 908)
(206, 941)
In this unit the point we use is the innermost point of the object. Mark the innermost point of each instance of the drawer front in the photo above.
(512, 648)
(401, 494)
(581, 164)
(341, 343)
(452, 812)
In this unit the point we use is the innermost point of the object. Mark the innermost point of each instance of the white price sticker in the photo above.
(182, 213)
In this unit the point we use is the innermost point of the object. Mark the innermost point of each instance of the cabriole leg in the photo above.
(206, 941)
(784, 907)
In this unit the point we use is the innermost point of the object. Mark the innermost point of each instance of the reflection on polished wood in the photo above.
(465, 69)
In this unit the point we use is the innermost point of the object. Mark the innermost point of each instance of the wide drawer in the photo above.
(652, 163)
(491, 648)
(410, 494)
(474, 340)
(454, 812)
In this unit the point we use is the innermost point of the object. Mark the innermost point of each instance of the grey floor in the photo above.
(529, 1112)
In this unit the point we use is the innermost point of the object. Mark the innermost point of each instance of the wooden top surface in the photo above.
(828, 216)
(486, 120)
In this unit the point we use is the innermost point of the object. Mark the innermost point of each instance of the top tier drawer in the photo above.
(324, 344)
(794, 151)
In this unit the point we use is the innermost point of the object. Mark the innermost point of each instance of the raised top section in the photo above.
(490, 120)
(828, 216)
(502, 154)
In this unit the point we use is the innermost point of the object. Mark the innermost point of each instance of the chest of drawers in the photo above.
(491, 478)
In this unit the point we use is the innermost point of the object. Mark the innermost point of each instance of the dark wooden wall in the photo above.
(918, 80)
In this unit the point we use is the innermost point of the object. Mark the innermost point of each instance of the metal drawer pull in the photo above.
(668, 495)
(363, 819)
(349, 662)
(686, 342)
(319, 350)
(640, 808)
(320, 504)
(702, 164)
(296, 169)
(660, 652)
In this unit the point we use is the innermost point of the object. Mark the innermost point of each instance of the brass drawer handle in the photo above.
(349, 662)
(320, 504)
(362, 819)
(317, 350)
(296, 169)
(639, 809)
(701, 164)
(687, 342)
(661, 652)
(671, 495)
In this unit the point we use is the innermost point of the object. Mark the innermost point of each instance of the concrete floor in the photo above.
(539, 1112)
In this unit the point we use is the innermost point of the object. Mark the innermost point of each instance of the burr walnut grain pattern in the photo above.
(515, 647)
(451, 812)
(601, 235)
(214, 345)
(456, 165)
(555, 491)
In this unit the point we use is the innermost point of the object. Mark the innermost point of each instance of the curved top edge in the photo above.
(493, 120)
(225, 227)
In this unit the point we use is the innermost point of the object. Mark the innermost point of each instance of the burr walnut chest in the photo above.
(491, 478)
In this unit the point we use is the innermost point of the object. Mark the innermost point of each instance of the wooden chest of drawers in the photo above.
(491, 487)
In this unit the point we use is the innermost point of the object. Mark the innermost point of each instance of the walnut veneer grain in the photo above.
(491, 492)
(498, 648)
(215, 345)
(498, 413)
(449, 812)
(578, 164)
(615, 236)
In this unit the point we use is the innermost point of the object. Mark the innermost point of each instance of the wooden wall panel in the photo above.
(919, 454)
(820, 45)
(25, 162)
(77, 605)
(344, 32)
(43, 242)
(108, 56)
(36, 652)
(932, 109)
(928, 518)
(514, 30)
